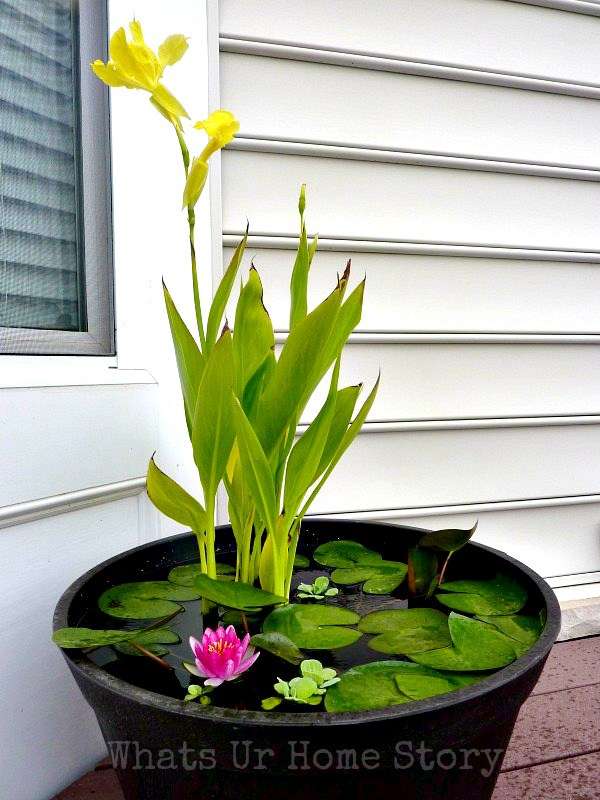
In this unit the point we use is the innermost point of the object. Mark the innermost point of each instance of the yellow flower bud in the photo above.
(195, 182)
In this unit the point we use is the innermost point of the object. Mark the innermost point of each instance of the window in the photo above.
(55, 253)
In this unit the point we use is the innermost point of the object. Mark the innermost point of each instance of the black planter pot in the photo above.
(448, 748)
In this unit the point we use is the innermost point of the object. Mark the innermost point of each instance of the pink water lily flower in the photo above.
(221, 656)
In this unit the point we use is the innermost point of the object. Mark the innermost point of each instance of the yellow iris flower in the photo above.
(221, 126)
(135, 65)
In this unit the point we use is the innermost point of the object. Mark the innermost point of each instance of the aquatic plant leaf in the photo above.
(345, 553)
(422, 571)
(278, 645)
(88, 637)
(314, 627)
(221, 297)
(301, 562)
(423, 682)
(190, 361)
(212, 428)
(449, 539)
(380, 578)
(384, 581)
(406, 630)
(524, 630)
(257, 471)
(253, 342)
(152, 640)
(235, 594)
(145, 599)
(476, 646)
(170, 498)
(366, 687)
(501, 595)
(187, 574)
(381, 684)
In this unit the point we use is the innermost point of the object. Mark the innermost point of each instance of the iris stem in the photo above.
(191, 214)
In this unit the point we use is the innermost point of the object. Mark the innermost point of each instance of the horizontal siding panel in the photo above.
(342, 104)
(563, 538)
(409, 202)
(444, 467)
(462, 381)
(491, 34)
(442, 293)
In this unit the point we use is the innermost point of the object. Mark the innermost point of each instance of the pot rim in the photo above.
(275, 719)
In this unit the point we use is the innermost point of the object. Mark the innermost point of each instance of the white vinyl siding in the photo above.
(451, 149)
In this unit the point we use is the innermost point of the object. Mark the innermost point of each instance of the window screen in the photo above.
(47, 281)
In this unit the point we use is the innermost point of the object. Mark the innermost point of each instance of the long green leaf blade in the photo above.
(345, 443)
(169, 497)
(190, 361)
(256, 467)
(213, 434)
(306, 453)
(344, 408)
(298, 371)
(253, 337)
(299, 281)
(221, 298)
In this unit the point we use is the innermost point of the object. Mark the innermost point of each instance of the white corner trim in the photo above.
(287, 241)
(31, 510)
(230, 43)
(472, 163)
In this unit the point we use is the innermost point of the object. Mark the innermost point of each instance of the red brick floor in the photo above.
(554, 753)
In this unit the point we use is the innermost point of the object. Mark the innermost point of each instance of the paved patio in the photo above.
(555, 750)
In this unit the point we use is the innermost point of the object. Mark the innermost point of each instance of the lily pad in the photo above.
(382, 684)
(421, 683)
(380, 578)
(238, 595)
(523, 630)
(366, 687)
(301, 562)
(187, 574)
(153, 640)
(145, 599)
(278, 645)
(497, 597)
(314, 627)
(476, 646)
(345, 553)
(407, 630)
(88, 637)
